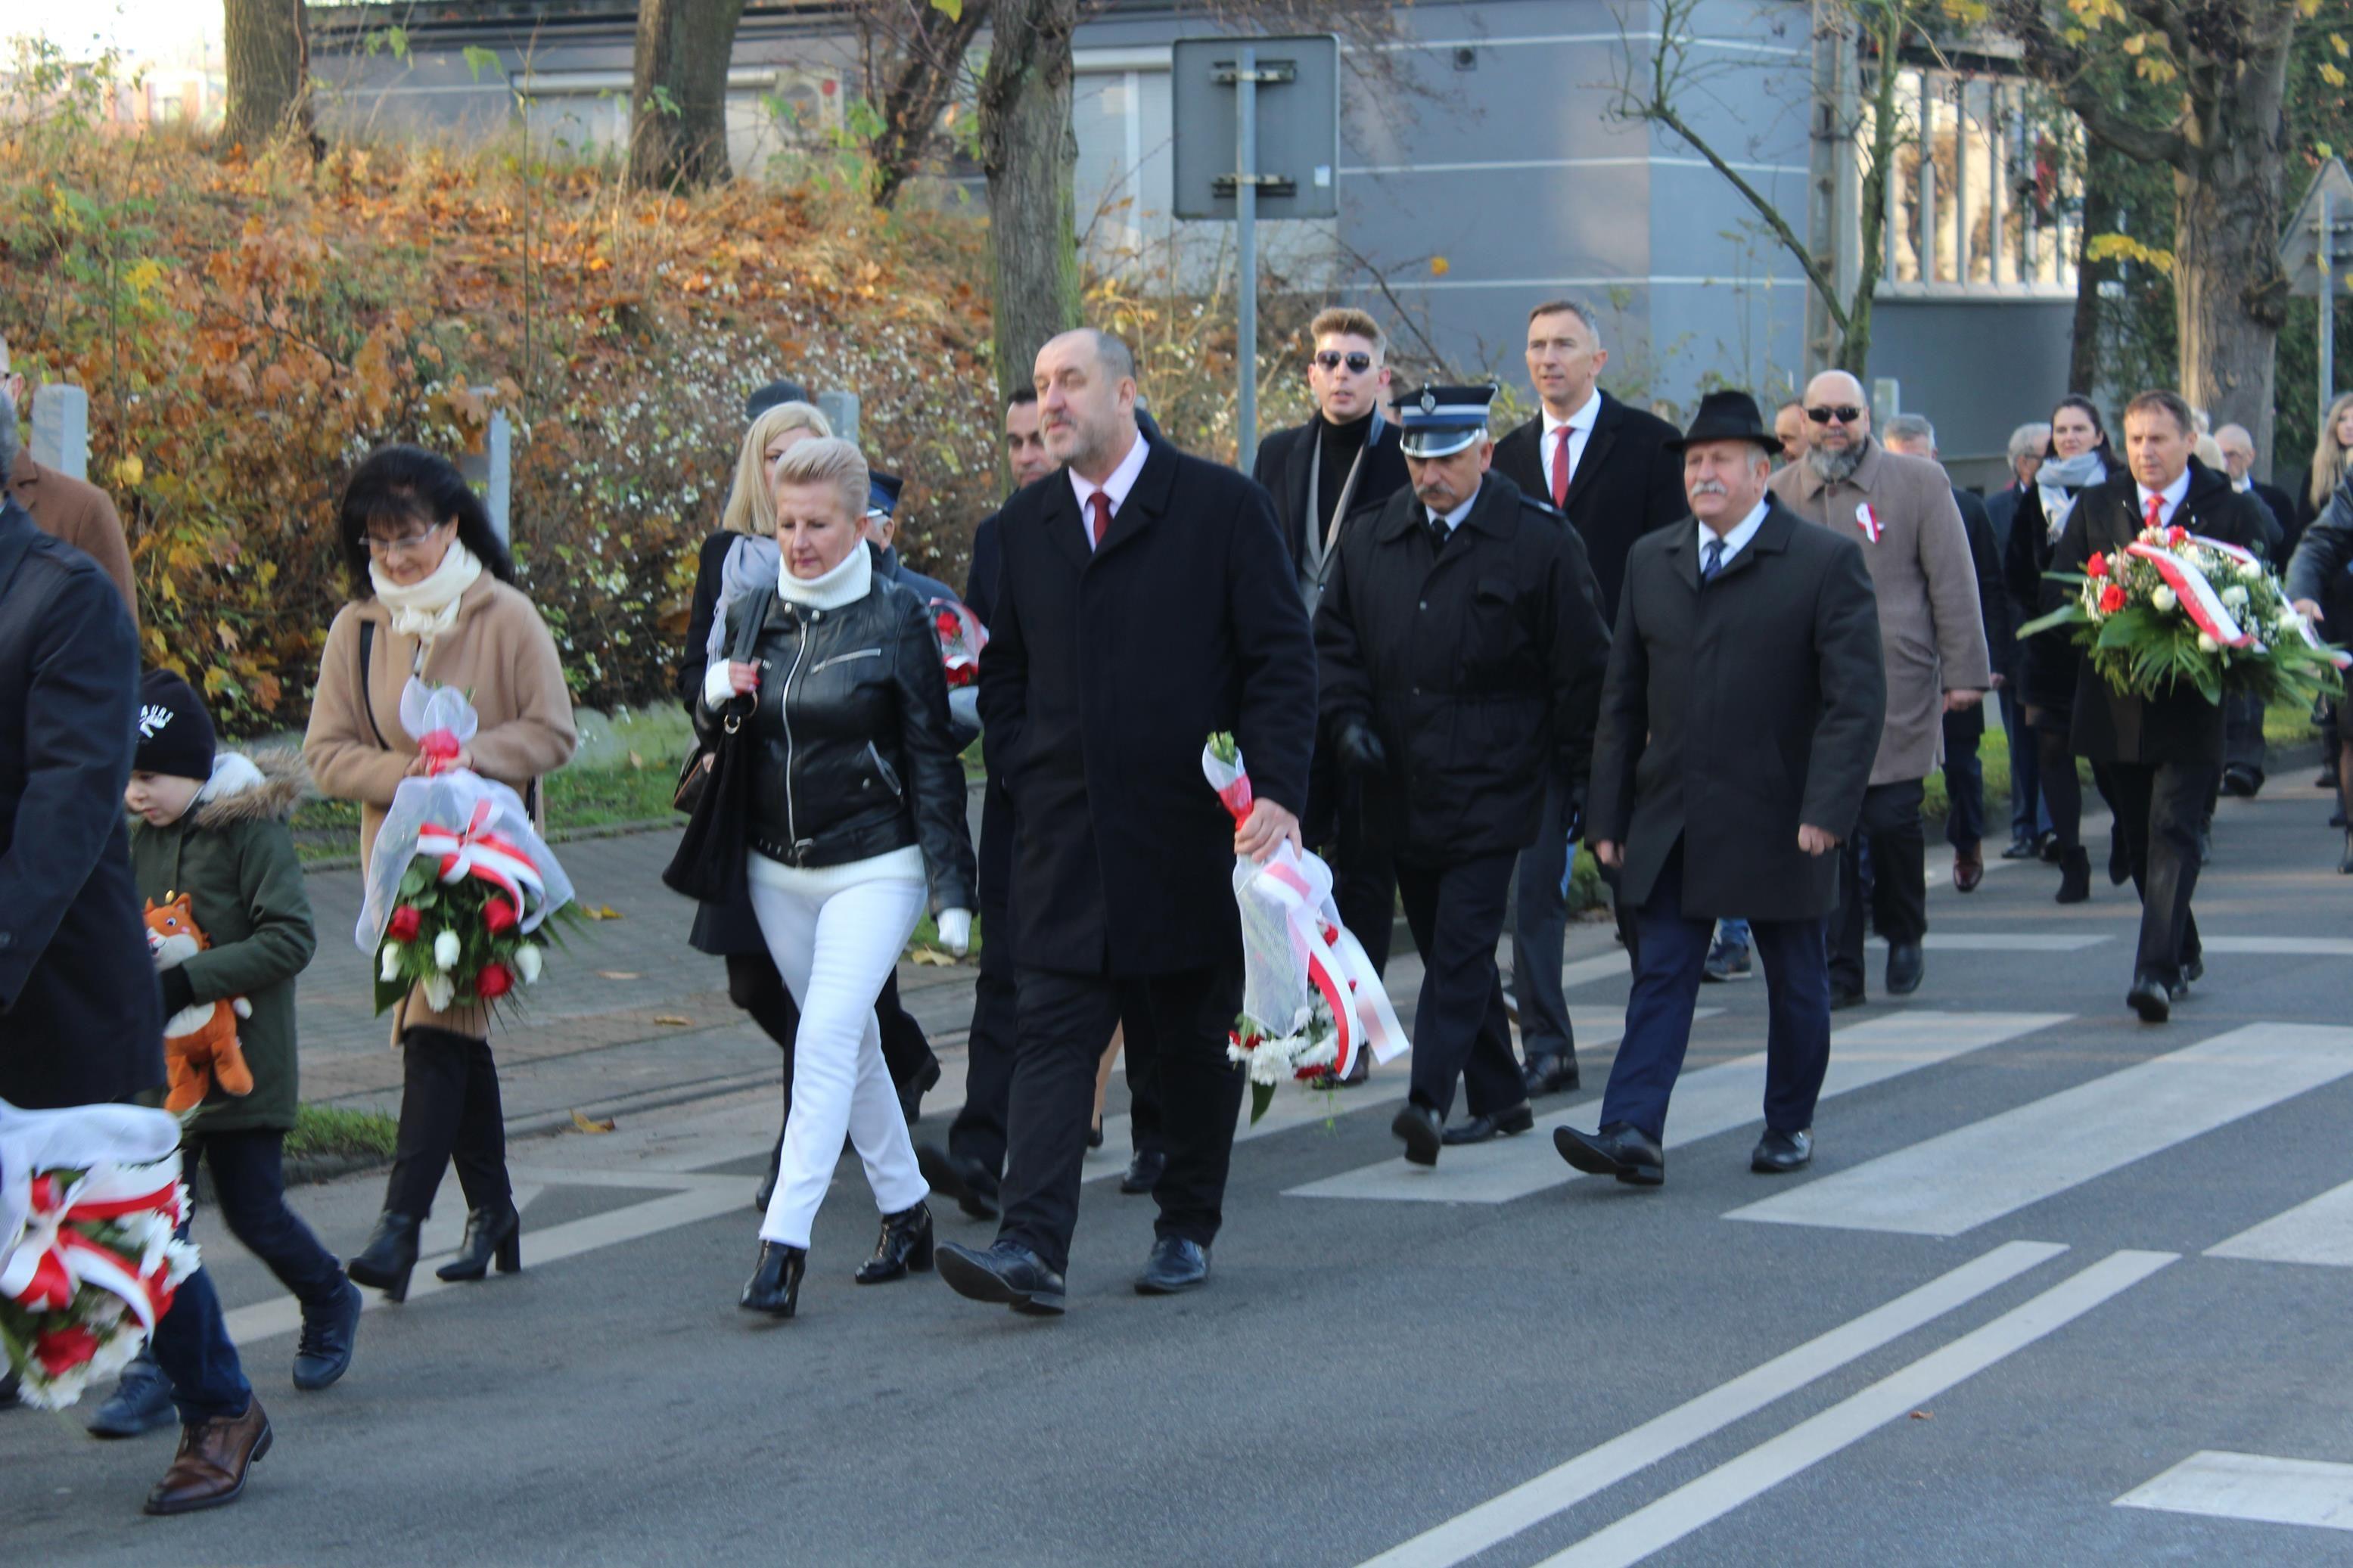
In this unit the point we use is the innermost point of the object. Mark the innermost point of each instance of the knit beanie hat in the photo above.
(176, 733)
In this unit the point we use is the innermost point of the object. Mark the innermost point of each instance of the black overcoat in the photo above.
(1105, 673)
(1967, 725)
(1735, 713)
(2181, 726)
(81, 1013)
(1626, 485)
(1282, 465)
(1478, 665)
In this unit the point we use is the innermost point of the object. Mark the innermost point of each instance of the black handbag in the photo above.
(714, 788)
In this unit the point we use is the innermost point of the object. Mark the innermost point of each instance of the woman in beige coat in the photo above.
(434, 597)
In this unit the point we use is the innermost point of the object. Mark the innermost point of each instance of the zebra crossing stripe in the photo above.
(1959, 1181)
(1711, 1100)
(2319, 1231)
(2257, 1486)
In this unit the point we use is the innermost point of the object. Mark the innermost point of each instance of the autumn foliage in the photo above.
(249, 327)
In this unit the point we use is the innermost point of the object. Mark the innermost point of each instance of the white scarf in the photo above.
(846, 584)
(425, 610)
(2059, 479)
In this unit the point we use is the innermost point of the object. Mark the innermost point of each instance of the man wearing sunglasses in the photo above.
(1932, 634)
(1607, 467)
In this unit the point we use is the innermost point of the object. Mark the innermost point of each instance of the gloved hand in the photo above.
(1361, 750)
(955, 931)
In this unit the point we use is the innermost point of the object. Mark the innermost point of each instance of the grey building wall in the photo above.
(1978, 369)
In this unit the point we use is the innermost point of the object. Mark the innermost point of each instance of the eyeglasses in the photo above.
(400, 544)
(1333, 359)
(1844, 413)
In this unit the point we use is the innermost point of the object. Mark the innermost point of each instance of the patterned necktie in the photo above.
(1560, 466)
(1099, 506)
(1712, 561)
(2156, 511)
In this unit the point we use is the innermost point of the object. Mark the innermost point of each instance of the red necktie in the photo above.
(1100, 505)
(2156, 511)
(1560, 466)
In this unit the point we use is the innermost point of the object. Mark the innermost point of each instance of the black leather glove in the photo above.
(1361, 750)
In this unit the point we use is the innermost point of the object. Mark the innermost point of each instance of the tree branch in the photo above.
(2120, 133)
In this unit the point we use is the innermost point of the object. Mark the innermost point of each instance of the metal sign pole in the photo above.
(2325, 254)
(1245, 244)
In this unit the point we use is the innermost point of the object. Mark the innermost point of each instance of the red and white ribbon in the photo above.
(2204, 606)
(1868, 520)
(55, 1257)
(1337, 967)
(476, 851)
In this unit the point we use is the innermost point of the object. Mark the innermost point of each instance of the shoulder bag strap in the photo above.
(368, 696)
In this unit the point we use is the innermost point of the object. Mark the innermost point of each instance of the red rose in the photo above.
(949, 625)
(2177, 535)
(962, 674)
(61, 1349)
(494, 982)
(2112, 599)
(405, 923)
(2097, 567)
(498, 915)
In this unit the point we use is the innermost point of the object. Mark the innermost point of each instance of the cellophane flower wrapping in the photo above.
(961, 637)
(460, 886)
(90, 1200)
(1298, 961)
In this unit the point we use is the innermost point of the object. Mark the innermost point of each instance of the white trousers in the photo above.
(835, 950)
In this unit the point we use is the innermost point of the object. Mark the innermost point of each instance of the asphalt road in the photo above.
(2048, 1259)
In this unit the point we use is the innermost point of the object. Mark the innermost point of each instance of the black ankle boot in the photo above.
(905, 1244)
(390, 1253)
(775, 1284)
(488, 1233)
(2075, 876)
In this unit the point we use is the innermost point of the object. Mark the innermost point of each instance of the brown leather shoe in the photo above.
(1968, 868)
(209, 1470)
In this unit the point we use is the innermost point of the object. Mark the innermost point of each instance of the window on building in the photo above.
(1986, 195)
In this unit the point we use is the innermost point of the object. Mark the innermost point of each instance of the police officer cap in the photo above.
(1435, 421)
(881, 493)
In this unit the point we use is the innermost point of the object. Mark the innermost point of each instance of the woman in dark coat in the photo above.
(2078, 457)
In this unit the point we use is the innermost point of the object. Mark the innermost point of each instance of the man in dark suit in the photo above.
(1145, 601)
(1345, 459)
(81, 1013)
(2163, 754)
(2244, 752)
(1460, 654)
(1738, 727)
(2030, 819)
(1607, 467)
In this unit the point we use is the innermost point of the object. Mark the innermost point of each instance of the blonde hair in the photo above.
(752, 502)
(2329, 455)
(2210, 452)
(828, 459)
(1348, 322)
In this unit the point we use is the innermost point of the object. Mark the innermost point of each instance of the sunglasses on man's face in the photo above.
(1844, 413)
(1333, 359)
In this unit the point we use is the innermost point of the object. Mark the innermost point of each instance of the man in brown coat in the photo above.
(1932, 634)
(68, 508)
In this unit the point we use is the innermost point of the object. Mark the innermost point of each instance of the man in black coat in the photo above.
(2030, 819)
(1460, 654)
(1345, 459)
(1737, 731)
(1607, 467)
(2244, 753)
(1145, 603)
(81, 1017)
(2164, 754)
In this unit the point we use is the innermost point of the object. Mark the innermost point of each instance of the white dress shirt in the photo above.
(1120, 481)
(1581, 428)
(1734, 542)
(2171, 498)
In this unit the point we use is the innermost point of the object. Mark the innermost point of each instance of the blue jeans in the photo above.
(1666, 988)
(191, 1345)
(2030, 815)
(1965, 810)
(1732, 929)
(1539, 928)
(248, 1179)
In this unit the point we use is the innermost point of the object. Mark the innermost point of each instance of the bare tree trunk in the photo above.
(678, 94)
(921, 82)
(1030, 155)
(268, 58)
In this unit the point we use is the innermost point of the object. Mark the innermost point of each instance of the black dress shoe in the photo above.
(390, 1253)
(2193, 968)
(1144, 1172)
(774, 1287)
(2119, 859)
(1619, 1150)
(1480, 1128)
(1008, 1272)
(1777, 1153)
(972, 1184)
(489, 1233)
(2074, 877)
(1551, 1073)
(1423, 1134)
(2150, 998)
(1843, 997)
(2022, 849)
(323, 1353)
(905, 1244)
(1905, 964)
(1176, 1266)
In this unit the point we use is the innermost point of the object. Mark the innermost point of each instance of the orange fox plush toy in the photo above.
(200, 1044)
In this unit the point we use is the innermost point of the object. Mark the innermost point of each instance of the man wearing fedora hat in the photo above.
(1738, 727)
(1460, 649)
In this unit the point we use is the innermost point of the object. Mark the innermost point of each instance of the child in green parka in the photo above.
(212, 828)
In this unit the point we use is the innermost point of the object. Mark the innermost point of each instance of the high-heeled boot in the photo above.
(490, 1233)
(774, 1287)
(390, 1253)
(2074, 877)
(905, 1244)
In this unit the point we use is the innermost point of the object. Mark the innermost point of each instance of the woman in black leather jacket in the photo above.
(858, 802)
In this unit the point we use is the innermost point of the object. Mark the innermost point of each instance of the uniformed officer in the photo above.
(1460, 655)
